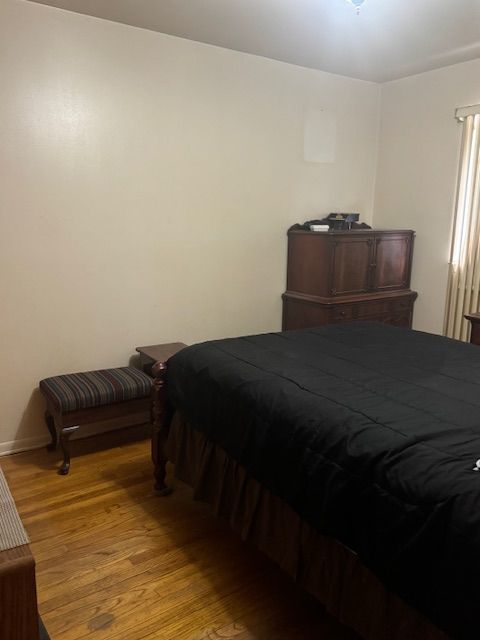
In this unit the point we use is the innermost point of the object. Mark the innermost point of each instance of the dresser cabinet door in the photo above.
(392, 259)
(351, 265)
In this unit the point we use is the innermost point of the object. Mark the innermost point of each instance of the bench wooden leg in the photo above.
(65, 434)
(53, 431)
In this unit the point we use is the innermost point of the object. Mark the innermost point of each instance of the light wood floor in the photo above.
(116, 562)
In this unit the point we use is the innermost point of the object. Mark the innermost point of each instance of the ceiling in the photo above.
(388, 39)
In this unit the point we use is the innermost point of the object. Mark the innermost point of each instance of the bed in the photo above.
(349, 454)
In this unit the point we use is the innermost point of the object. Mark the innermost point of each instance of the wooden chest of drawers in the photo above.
(343, 276)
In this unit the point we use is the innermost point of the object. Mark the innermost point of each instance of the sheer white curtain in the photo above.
(464, 273)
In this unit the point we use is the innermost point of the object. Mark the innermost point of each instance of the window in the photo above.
(464, 273)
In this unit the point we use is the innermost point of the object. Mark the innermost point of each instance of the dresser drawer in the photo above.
(342, 313)
(304, 312)
(396, 312)
(374, 308)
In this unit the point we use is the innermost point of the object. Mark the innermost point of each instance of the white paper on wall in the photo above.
(320, 135)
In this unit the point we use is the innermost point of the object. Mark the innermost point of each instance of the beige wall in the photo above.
(417, 169)
(147, 185)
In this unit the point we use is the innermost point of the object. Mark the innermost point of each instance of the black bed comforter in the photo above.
(369, 432)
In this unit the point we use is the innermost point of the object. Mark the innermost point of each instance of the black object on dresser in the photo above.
(341, 276)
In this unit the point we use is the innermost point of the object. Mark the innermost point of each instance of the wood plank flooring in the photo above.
(116, 562)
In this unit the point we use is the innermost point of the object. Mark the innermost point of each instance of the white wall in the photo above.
(147, 186)
(417, 168)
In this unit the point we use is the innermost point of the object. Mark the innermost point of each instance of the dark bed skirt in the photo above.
(321, 565)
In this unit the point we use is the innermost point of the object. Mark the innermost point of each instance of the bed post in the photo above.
(160, 423)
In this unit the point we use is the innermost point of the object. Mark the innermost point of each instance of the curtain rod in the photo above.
(462, 112)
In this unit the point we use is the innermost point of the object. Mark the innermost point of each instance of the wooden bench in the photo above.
(83, 398)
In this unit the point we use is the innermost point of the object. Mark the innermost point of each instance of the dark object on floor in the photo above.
(43, 632)
(83, 398)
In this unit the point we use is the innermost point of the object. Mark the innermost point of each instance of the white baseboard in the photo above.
(85, 431)
(26, 444)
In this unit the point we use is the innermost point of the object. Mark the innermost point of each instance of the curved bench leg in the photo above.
(65, 444)
(53, 431)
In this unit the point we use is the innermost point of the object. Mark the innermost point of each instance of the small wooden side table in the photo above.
(475, 321)
(157, 353)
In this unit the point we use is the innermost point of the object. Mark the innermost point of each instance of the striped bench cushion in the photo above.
(75, 391)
